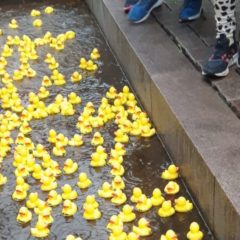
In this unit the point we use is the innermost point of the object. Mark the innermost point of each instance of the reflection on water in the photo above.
(145, 158)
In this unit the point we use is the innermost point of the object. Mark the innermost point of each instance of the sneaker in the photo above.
(223, 57)
(191, 10)
(128, 5)
(141, 11)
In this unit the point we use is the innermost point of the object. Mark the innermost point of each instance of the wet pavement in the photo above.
(145, 158)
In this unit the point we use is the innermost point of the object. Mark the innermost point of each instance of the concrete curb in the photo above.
(201, 133)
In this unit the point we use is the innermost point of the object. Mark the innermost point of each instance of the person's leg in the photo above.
(128, 5)
(191, 10)
(225, 52)
(142, 9)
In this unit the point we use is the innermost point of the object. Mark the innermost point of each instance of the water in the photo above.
(145, 159)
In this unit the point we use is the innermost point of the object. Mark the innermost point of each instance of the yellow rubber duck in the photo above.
(76, 77)
(48, 10)
(42, 205)
(111, 93)
(19, 194)
(183, 205)
(71, 237)
(83, 181)
(119, 149)
(95, 54)
(21, 171)
(76, 140)
(70, 35)
(52, 136)
(3, 180)
(127, 214)
(46, 217)
(21, 182)
(119, 197)
(24, 215)
(7, 52)
(17, 75)
(91, 66)
(171, 173)
(157, 198)
(97, 139)
(98, 159)
(115, 158)
(48, 183)
(121, 137)
(59, 150)
(117, 169)
(47, 161)
(194, 232)
(53, 64)
(83, 63)
(70, 166)
(90, 200)
(13, 24)
(74, 99)
(62, 139)
(40, 230)
(91, 213)
(170, 235)
(55, 169)
(53, 108)
(114, 223)
(67, 109)
(86, 128)
(147, 131)
(133, 236)
(53, 198)
(143, 228)
(105, 191)
(166, 210)
(25, 128)
(37, 172)
(33, 200)
(46, 81)
(69, 208)
(171, 188)
(143, 204)
(43, 93)
(39, 151)
(118, 234)
(35, 13)
(68, 193)
(118, 183)
(37, 23)
(136, 194)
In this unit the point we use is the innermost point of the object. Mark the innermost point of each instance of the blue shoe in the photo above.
(191, 10)
(141, 11)
(223, 57)
(128, 5)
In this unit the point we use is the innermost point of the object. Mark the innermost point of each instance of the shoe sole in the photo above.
(224, 73)
(192, 18)
(157, 4)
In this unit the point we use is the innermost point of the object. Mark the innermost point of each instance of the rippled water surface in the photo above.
(145, 158)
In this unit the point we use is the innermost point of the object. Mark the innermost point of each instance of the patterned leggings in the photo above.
(225, 18)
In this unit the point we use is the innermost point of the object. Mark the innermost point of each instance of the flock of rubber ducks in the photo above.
(34, 161)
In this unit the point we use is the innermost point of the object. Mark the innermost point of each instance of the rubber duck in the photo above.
(95, 54)
(143, 204)
(143, 228)
(127, 214)
(48, 183)
(183, 205)
(171, 188)
(83, 63)
(121, 137)
(37, 23)
(73, 98)
(170, 235)
(166, 210)
(157, 198)
(76, 140)
(118, 183)
(48, 10)
(3, 180)
(118, 234)
(136, 194)
(19, 194)
(40, 151)
(147, 131)
(170, 173)
(70, 166)
(91, 213)
(83, 181)
(43, 93)
(133, 236)
(194, 232)
(90, 201)
(59, 150)
(61, 139)
(52, 136)
(118, 149)
(40, 230)
(53, 64)
(68, 193)
(53, 198)
(71, 237)
(46, 81)
(53, 108)
(33, 200)
(55, 169)
(114, 223)
(42, 205)
(76, 77)
(24, 215)
(97, 139)
(21, 182)
(37, 172)
(70, 35)
(91, 66)
(111, 93)
(25, 128)
(46, 217)
(105, 191)
(17, 75)
(98, 159)
(21, 171)
(86, 128)
(67, 109)
(115, 158)
(35, 13)
(13, 24)
(119, 197)
(117, 169)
